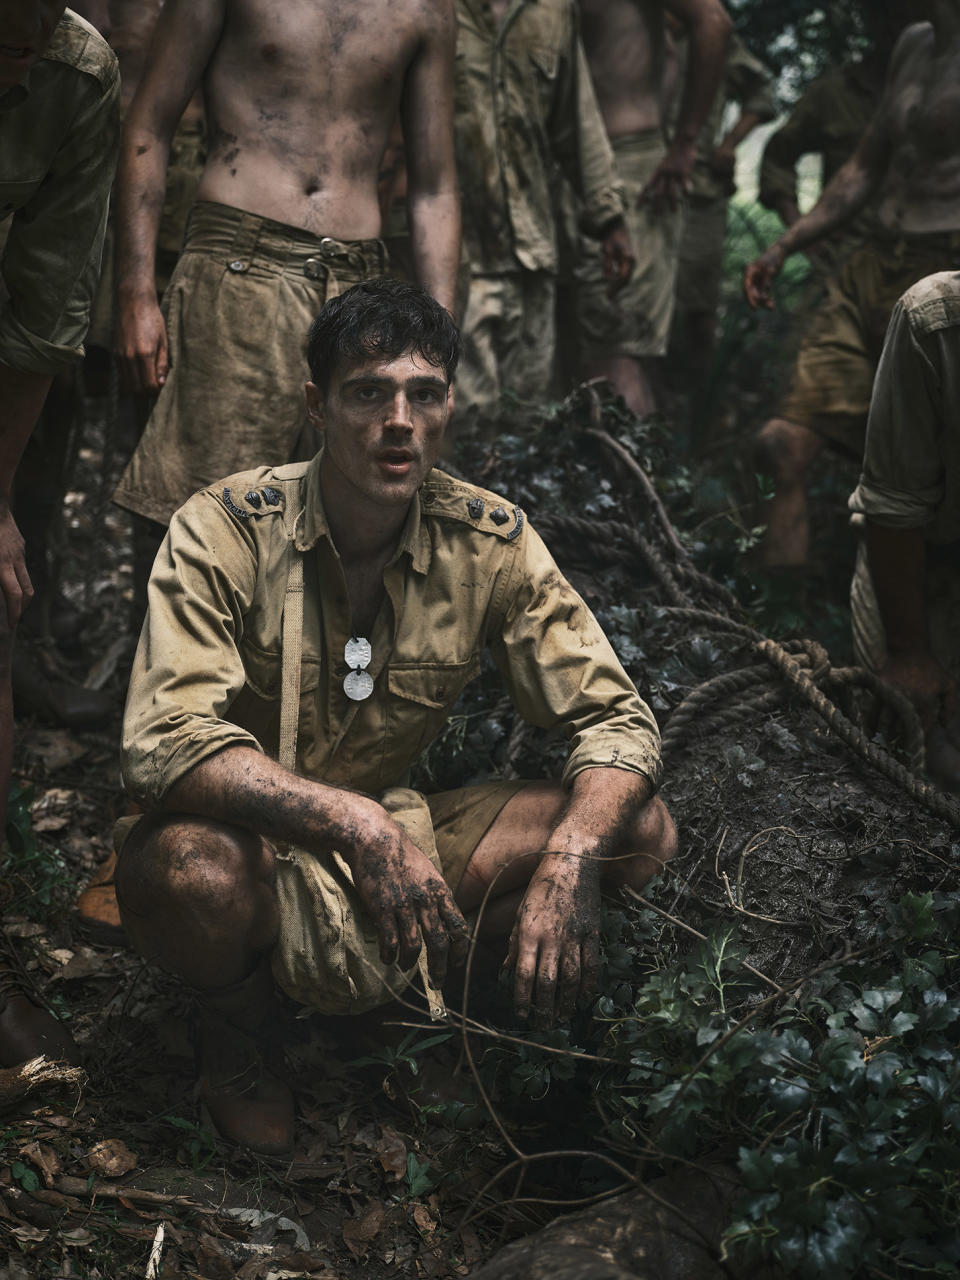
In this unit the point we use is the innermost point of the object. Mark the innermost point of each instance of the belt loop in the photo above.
(244, 244)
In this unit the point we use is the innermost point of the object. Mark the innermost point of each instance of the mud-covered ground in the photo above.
(783, 831)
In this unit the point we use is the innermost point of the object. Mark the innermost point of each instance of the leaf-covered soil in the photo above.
(789, 843)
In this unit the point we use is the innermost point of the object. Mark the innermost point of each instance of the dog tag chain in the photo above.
(358, 683)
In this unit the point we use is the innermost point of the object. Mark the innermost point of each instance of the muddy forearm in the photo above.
(242, 786)
(141, 179)
(603, 805)
(435, 234)
(22, 396)
(843, 197)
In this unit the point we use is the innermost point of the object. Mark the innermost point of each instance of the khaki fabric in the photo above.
(509, 333)
(828, 121)
(59, 133)
(207, 671)
(184, 170)
(237, 310)
(911, 465)
(835, 366)
(636, 321)
(525, 106)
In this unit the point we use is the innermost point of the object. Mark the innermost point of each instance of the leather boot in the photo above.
(55, 701)
(239, 1060)
(27, 1029)
(97, 909)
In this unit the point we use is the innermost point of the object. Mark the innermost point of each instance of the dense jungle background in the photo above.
(767, 1081)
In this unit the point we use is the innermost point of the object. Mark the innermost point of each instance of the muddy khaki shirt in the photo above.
(59, 133)
(911, 464)
(525, 106)
(469, 575)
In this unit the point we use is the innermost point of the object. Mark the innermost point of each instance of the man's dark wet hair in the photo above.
(381, 318)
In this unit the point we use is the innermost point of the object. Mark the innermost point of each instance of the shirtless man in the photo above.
(908, 165)
(624, 41)
(300, 100)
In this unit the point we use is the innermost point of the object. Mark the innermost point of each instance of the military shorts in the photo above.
(509, 335)
(700, 271)
(325, 955)
(942, 593)
(237, 310)
(838, 356)
(636, 321)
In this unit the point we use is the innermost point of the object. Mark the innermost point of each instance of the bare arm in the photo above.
(22, 396)
(400, 887)
(845, 194)
(186, 34)
(708, 29)
(554, 945)
(432, 193)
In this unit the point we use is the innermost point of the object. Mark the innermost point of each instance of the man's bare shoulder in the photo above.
(915, 46)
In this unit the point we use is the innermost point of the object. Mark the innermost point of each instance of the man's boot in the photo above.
(239, 1060)
(27, 1029)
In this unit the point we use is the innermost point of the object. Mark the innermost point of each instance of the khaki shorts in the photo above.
(184, 171)
(509, 336)
(838, 357)
(238, 308)
(700, 273)
(322, 980)
(942, 591)
(636, 321)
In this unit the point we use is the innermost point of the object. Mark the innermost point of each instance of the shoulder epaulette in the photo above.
(486, 512)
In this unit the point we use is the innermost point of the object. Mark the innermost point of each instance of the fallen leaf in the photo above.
(85, 964)
(392, 1152)
(111, 1157)
(55, 748)
(45, 1158)
(426, 1223)
(77, 1237)
(359, 1231)
(29, 1235)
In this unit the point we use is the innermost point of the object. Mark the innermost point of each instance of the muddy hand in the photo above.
(555, 945)
(14, 578)
(759, 277)
(407, 899)
(140, 345)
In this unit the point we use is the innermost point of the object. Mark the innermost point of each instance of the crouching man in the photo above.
(310, 627)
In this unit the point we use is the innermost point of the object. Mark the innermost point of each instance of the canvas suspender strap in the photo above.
(292, 639)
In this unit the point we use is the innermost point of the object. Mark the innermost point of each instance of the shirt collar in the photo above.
(311, 523)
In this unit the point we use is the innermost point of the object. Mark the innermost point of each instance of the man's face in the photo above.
(383, 422)
(26, 28)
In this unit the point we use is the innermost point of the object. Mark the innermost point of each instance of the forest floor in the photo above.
(786, 837)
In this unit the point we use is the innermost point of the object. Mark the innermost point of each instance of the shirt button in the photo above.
(340, 670)
(441, 693)
(237, 265)
(428, 499)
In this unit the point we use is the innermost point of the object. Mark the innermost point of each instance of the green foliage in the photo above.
(39, 873)
(842, 1100)
(200, 1145)
(799, 40)
(25, 1176)
(419, 1179)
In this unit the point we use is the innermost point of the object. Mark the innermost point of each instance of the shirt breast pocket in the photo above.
(422, 697)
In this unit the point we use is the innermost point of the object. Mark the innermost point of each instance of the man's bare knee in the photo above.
(785, 449)
(174, 864)
(652, 844)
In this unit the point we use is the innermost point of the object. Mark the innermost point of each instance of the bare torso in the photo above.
(920, 191)
(301, 96)
(624, 44)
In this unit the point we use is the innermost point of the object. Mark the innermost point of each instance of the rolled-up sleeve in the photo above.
(562, 672)
(903, 481)
(52, 260)
(188, 669)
